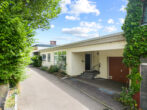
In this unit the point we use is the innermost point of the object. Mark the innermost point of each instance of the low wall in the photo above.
(3, 92)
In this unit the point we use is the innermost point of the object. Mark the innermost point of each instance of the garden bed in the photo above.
(56, 72)
(11, 100)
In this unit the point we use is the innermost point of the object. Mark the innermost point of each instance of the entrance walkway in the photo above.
(42, 91)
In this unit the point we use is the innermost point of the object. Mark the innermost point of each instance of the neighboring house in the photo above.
(104, 54)
(38, 47)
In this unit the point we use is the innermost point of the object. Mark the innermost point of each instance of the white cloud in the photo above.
(52, 26)
(80, 31)
(111, 21)
(86, 29)
(99, 20)
(76, 7)
(76, 30)
(88, 35)
(121, 20)
(122, 9)
(83, 6)
(64, 4)
(93, 25)
(72, 18)
(110, 28)
(67, 38)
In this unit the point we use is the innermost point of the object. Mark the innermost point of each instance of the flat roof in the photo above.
(102, 39)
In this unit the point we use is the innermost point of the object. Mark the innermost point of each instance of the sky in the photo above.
(84, 19)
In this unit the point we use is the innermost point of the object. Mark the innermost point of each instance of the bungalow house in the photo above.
(103, 54)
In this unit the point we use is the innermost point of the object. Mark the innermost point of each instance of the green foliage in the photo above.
(53, 68)
(126, 98)
(136, 47)
(44, 68)
(37, 60)
(10, 101)
(15, 38)
(18, 21)
(135, 79)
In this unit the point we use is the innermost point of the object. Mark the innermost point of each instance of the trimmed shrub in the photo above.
(18, 21)
(53, 68)
(37, 60)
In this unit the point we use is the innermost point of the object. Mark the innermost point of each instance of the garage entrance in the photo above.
(117, 70)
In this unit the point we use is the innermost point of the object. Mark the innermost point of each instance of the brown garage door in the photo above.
(117, 70)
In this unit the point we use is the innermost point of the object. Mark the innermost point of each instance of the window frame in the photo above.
(62, 55)
(43, 57)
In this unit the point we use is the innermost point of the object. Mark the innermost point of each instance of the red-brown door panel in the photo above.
(118, 70)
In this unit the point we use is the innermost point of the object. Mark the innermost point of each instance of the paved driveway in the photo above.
(42, 91)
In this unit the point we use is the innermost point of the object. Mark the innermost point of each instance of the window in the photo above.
(49, 57)
(44, 57)
(145, 13)
(60, 59)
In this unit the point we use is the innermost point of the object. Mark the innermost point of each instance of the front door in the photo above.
(87, 61)
(117, 70)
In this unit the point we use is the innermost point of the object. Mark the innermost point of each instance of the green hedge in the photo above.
(18, 21)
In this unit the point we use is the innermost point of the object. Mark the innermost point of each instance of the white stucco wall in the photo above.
(100, 47)
(75, 57)
(68, 62)
(95, 60)
(99, 54)
(46, 63)
(78, 64)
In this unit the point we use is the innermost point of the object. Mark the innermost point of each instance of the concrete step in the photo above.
(89, 74)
